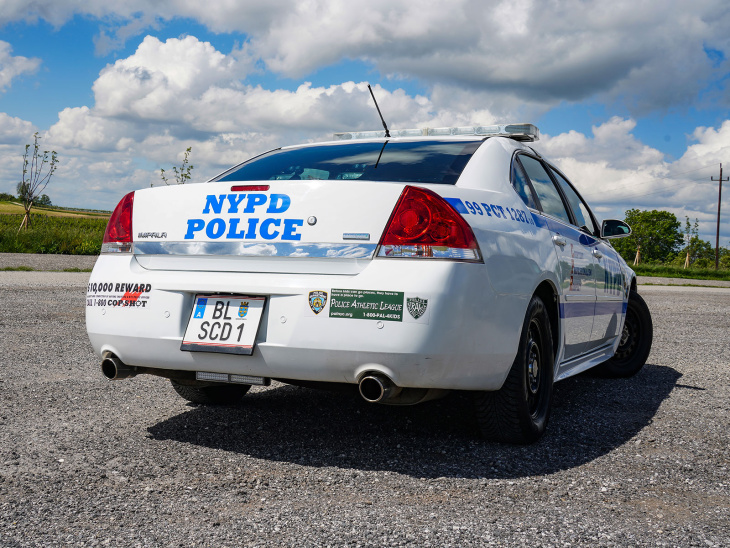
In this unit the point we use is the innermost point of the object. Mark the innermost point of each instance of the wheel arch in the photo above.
(549, 296)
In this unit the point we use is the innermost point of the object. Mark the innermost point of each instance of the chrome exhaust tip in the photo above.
(377, 388)
(115, 369)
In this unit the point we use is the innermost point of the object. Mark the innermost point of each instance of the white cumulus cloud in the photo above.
(646, 55)
(13, 66)
(14, 130)
(614, 171)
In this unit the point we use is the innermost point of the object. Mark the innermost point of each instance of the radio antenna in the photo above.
(387, 133)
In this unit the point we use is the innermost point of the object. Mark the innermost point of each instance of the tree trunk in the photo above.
(25, 223)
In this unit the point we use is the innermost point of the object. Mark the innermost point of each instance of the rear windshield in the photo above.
(439, 162)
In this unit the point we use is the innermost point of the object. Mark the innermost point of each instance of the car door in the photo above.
(607, 274)
(575, 258)
(609, 297)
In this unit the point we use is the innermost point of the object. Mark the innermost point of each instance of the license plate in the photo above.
(223, 323)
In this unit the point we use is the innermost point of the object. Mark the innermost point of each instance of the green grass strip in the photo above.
(661, 271)
(53, 235)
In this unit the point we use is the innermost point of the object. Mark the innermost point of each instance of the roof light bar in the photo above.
(518, 132)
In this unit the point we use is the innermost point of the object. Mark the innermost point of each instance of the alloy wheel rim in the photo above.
(533, 367)
(629, 337)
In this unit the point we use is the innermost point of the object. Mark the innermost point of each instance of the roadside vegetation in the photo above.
(660, 246)
(662, 271)
(68, 234)
(38, 168)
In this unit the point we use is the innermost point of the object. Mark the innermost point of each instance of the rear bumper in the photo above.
(467, 340)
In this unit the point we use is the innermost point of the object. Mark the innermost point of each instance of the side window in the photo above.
(580, 210)
(550, 199)
(519, 182)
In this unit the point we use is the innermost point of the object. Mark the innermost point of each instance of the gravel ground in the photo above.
(87, 462)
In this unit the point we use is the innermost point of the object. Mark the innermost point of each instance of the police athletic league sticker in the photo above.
(317, 301)
(417, 308)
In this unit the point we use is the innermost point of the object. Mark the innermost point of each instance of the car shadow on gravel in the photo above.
(591, 417)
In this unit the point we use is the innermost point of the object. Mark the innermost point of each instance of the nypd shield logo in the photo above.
(317, 301)
(416, 307)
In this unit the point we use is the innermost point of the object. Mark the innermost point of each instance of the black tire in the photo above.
(210, 394)
(636, 339)
(519, 411)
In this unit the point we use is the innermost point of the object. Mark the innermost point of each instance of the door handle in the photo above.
(597, 254)
(559, 240)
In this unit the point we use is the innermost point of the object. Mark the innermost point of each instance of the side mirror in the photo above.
(612, 228)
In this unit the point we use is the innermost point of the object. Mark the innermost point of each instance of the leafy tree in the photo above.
(656, 232)
(34, 181)
(43, 201)
(701, 253)
(182, 175)
(725, 258)
(5, 197)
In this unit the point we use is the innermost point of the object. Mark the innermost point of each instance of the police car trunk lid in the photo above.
(316, 226)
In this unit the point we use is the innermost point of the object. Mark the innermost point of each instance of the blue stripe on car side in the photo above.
(582, 309)
(605, 308)
(577, 310)
(540, 221)
(571, 233)
(458, 205)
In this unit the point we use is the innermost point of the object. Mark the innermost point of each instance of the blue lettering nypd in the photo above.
(250, 227)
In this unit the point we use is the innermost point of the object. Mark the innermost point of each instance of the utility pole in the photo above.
(719, 202)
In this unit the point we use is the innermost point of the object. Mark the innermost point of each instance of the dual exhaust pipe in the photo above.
(374, 387)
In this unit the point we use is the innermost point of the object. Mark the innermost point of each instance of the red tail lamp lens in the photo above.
(411, 220)
(422, 217)
(119, 227)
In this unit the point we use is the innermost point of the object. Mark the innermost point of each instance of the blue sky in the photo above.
(632, 100)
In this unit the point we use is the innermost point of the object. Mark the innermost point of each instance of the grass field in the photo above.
(51, 230)
(14, 208)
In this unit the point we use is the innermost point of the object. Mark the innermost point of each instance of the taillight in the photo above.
(423, 224)
(118, 233)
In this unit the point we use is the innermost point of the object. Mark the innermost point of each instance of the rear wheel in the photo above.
(206, 393)
(636, 339)
(519, 411)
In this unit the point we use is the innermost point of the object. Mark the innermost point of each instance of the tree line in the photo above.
(660, 239)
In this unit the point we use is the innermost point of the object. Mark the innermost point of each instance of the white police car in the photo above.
(432, 260)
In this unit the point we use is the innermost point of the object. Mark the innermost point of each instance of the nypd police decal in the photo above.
(259, 218)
